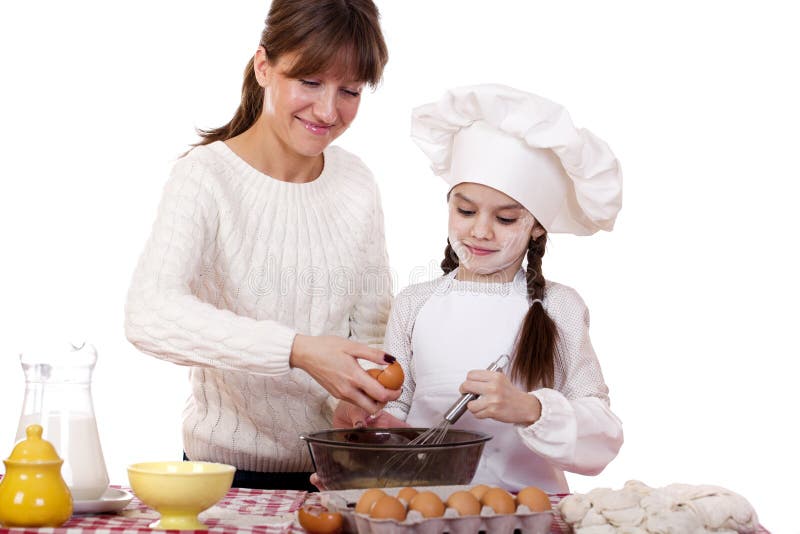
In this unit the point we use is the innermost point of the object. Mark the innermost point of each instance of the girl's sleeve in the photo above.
(163, 318)
(577, 431)
(371, 311)
(398, 344)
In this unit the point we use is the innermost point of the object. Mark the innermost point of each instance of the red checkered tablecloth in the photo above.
(242, 511)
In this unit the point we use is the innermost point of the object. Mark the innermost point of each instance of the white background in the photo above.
(693, 296)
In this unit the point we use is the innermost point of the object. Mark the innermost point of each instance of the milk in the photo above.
(75, 438)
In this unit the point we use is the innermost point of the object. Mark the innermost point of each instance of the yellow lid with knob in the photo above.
(34, 449)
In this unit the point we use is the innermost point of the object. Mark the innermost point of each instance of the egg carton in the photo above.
(343, 501)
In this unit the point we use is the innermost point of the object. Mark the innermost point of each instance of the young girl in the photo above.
(518, 169)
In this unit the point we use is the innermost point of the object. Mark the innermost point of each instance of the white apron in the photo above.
(459, 331)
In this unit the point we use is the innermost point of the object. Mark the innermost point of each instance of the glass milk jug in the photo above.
(58, 397)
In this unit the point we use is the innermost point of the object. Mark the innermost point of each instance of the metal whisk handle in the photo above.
(457, 410)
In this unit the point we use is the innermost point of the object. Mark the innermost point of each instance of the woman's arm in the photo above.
(397, 343)
(374, 285)
(163, 318)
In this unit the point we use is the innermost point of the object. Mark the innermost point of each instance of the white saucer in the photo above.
(113, 500)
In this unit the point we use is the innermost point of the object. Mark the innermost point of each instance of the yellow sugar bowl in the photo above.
(32, 492)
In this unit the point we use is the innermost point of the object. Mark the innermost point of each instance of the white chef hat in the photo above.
(526, 147)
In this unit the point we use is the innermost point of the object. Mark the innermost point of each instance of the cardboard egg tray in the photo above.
(343, 501)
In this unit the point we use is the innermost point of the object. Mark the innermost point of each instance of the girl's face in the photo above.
(489, 232)
(306, 114)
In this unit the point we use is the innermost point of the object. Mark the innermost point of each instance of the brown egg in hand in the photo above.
(534, 498)
(499, 500)
(428, 504)
(320, 521)
(390, 377)
(388, 507)
(367, 499)
(465, 503)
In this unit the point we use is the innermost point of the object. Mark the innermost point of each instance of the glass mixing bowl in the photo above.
(356, 458)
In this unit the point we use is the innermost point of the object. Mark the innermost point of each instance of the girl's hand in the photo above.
(347, 415)
(500, 399)
(331, 361)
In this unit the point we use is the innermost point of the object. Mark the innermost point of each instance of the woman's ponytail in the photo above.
(245, 116)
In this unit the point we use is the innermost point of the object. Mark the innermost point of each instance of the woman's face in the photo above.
(306, 114)
(489, 231)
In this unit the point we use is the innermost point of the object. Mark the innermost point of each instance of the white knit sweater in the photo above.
(236, 265)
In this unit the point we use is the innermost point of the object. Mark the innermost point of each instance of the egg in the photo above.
(534, 498)
(465, 503)
(499, 500)
(367, 499)
(320, 521)
(479, 490)
(392, 376)
(428, 504)
(388, 507)
(406, 494)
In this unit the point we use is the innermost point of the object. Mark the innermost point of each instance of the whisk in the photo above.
(434, 435)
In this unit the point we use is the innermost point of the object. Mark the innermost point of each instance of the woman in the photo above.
(266, 270)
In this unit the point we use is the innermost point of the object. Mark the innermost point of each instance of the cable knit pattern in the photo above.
(236, 265)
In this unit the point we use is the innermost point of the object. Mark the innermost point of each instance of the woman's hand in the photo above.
(331, 361)
(316, 481)
(347, 415)
(500, 399)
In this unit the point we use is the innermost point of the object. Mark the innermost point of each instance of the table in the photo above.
(242, 511)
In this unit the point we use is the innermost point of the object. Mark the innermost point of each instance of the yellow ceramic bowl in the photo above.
(179, 491)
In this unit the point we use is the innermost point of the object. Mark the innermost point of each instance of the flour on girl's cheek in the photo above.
(511, 245)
